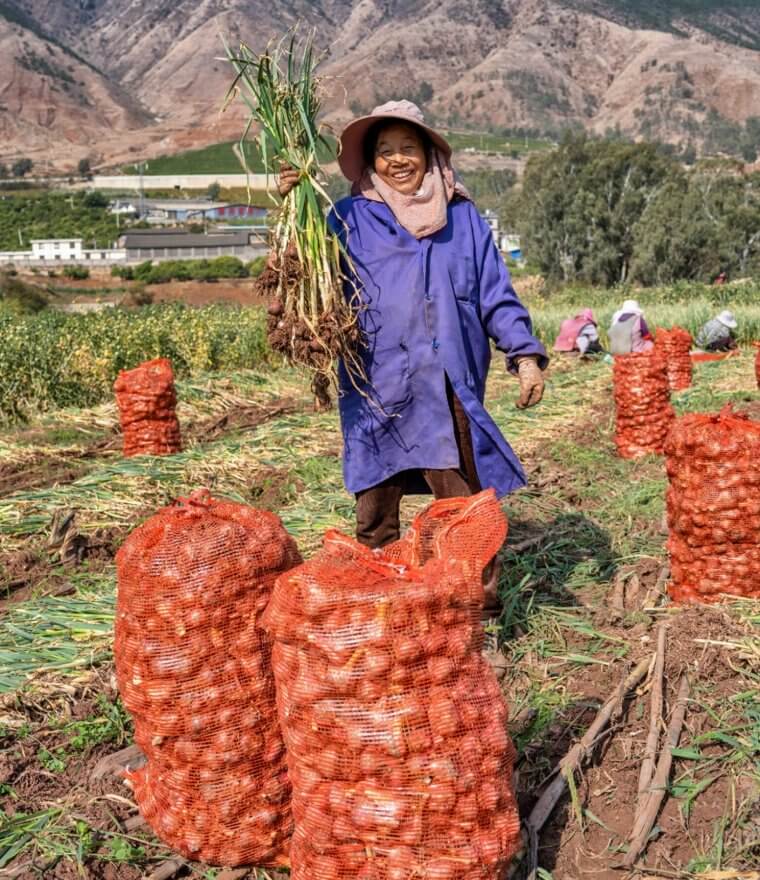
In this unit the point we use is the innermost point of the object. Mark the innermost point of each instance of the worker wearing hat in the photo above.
(435, 293)
(718, 333)
(628, 331)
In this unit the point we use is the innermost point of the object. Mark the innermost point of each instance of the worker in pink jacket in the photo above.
(579, 334)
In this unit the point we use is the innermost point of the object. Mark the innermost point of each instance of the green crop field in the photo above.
(214, 159)
(583, 582)
(493, 143)
(221, 159)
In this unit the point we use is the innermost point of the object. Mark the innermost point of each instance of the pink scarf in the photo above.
(423, 212)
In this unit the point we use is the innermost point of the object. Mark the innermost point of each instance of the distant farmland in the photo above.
(221, 159)
(214, 159)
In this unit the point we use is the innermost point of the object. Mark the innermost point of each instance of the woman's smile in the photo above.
(400, 158)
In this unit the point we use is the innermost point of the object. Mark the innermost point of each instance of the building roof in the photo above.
(156, 230)
(243, 205)
(184, 204)
(184, 240)
(54, 240)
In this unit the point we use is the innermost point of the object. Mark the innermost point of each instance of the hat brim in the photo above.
(351, 155)
(732, 325)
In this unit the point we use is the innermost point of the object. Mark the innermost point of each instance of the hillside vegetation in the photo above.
(736, 22)
(53, 215)
(607, 212)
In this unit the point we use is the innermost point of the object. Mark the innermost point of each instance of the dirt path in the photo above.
(104, 288)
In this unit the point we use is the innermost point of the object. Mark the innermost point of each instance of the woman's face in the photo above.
(400, 159)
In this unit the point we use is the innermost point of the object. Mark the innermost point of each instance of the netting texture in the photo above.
(713, 463)
(395, 725)
(193, 665)
(675, 346)
(643, 414)
(147, 408)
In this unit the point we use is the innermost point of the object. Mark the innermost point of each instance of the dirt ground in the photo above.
(612, 624)
(240, 291)
(108, 289)
(35, 570)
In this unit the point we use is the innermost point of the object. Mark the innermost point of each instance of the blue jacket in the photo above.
(430, 307)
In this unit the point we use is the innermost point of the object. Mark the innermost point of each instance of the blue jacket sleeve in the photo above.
(505, 318)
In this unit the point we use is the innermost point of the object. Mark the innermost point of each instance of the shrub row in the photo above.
(51, 359)
(189, 270)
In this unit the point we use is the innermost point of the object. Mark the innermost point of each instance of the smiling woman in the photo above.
(434, 292)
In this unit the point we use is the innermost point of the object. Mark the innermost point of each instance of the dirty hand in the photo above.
(531, 382)
(288, 178)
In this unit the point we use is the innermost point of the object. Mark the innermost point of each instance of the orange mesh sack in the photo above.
(147, 408)
(395, 725)
(675, 346)
(643, 413)
(713, 463)
(193, 666)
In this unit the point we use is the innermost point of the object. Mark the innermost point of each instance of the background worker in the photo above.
(435, 291)
(718, 333)
(628, 331)
(580, 334)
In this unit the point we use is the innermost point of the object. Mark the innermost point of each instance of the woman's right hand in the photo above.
(287, 179)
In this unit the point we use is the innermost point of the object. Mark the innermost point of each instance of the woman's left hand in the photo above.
(531, 382)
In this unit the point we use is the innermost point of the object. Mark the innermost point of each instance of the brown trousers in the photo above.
(378, 508)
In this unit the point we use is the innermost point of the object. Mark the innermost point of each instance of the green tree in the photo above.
(424, 93)
(580, 204)
(95, 199)
(674, 237)
(22, 167)
(84, 168)
(3, 171)
(689, 155)
(698, 226)
(213, 191)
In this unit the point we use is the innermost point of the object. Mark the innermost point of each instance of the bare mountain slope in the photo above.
(53, 104)
(657, 69)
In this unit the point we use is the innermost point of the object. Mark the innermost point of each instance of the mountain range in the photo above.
(117, 80)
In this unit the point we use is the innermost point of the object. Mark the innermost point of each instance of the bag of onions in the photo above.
(675, 346)
(395, 725)
(147, 408)
(193, 666)
(713, 463)
(643, 413)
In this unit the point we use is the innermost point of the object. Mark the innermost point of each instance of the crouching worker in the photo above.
(629, 332)
(435, 293)
(579, 334)
(718, 334)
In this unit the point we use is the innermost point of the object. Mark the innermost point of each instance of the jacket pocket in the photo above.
(463, 277)
(388, 381)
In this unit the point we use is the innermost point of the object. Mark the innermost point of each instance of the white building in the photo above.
(507, 242)
(56, 249)
(123, 209)
(62, 250)
(492, 219)
(511, 245)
